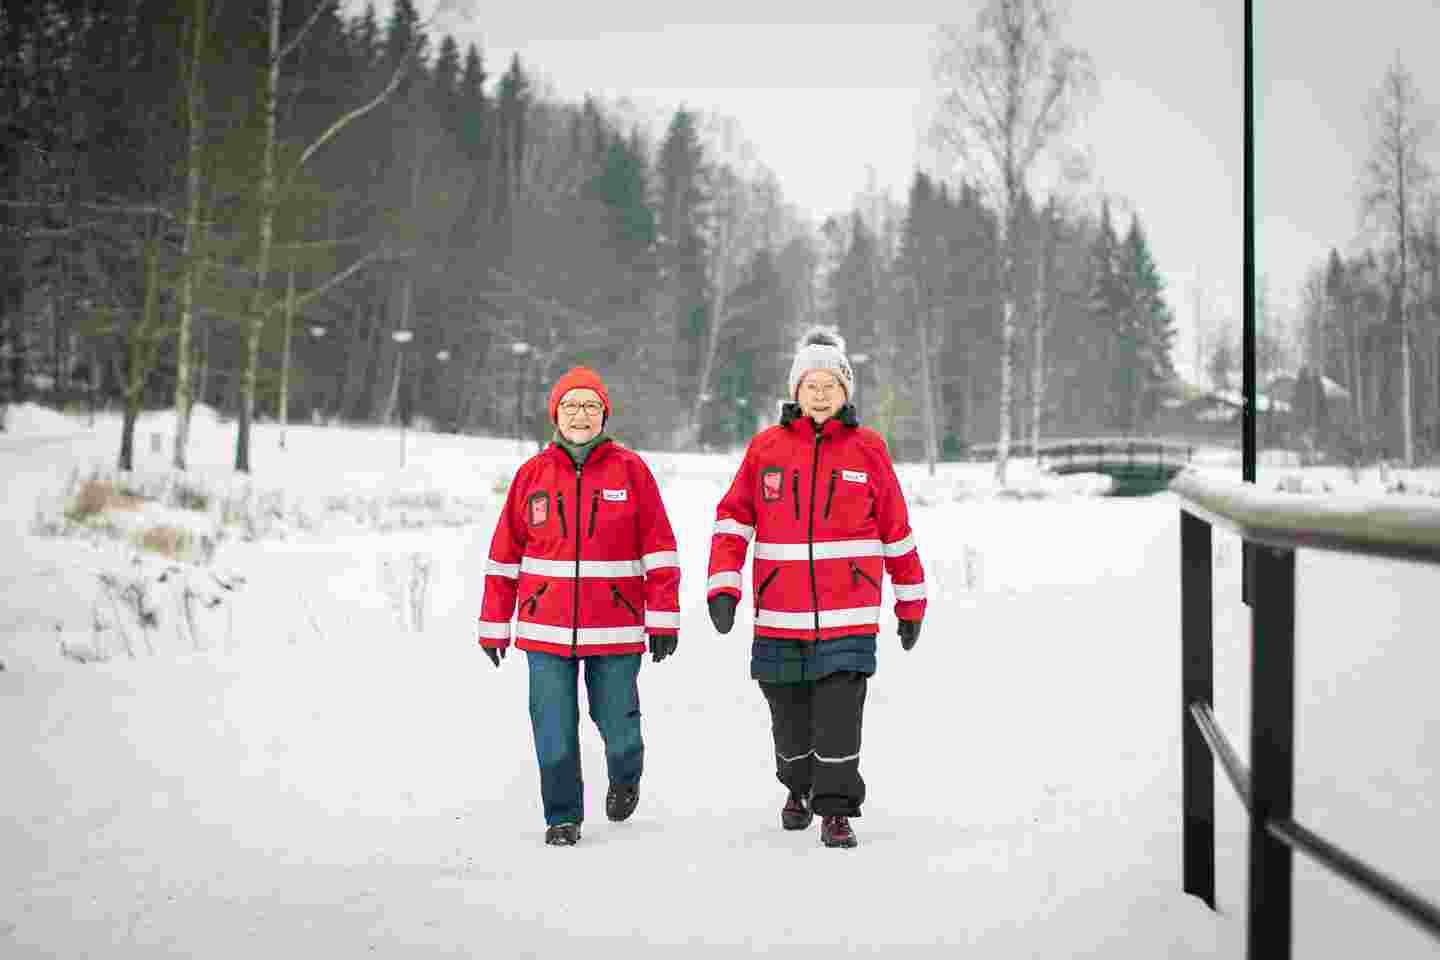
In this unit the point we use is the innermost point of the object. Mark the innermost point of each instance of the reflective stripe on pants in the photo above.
(816, 727)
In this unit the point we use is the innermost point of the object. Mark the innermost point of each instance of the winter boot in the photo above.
(563, 835)
(836, 832)
(621, 800)
(796, 814)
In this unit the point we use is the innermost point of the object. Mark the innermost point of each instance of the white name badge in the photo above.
(854, 476)
(615, 494)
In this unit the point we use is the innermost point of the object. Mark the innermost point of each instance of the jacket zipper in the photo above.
(575, 630)
(560, 508)
(620, 598)
(795, 490)
(830, 494)
(765, 583)
(810, 534)
(594, 506)
(856, 573)
(534, 599)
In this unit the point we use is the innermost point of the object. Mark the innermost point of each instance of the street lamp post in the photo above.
(317, 330)
(401, 337)
(520, 349)
(443, 356)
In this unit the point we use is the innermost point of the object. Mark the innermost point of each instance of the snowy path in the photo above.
(359, 789)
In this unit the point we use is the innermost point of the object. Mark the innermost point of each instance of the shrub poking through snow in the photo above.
(185, 517)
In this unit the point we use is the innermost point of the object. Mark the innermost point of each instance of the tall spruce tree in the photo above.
(1107, 313)
(681, 173)
(1148, 329)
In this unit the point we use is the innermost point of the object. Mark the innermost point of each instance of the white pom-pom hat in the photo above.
(822, 348)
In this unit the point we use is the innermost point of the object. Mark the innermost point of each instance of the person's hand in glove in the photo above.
(722, 611)
(909, 631)
(662, 645)
(496, 654)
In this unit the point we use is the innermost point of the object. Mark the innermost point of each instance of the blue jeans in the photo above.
(611, 685)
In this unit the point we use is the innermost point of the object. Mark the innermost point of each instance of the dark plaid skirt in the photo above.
(792, 661)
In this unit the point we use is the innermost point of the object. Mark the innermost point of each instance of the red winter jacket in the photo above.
(589, 553)
(827, 514)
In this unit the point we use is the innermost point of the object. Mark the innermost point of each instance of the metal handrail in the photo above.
(1379, 526)
(1275, 525)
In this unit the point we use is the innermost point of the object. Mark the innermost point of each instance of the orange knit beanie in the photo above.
(577, 378)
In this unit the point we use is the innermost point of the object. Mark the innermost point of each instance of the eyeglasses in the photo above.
(591, 407)
(820, 387)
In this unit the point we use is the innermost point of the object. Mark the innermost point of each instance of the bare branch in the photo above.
(320, 7)
(338, 278)
(360, 111)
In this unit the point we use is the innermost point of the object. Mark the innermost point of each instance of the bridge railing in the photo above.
(1275, 526)
(1134, 451)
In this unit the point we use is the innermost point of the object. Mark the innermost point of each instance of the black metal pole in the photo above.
(1247, 439)
(1272, 752)
(1197, 685)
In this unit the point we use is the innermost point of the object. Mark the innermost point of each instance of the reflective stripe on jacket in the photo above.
(828, 519)
(587, 555)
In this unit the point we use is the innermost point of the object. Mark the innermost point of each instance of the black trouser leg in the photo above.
(838, 710)
(791, 726)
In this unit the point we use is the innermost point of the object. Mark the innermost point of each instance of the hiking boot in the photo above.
(796, 814)
(562, 835)
(621, 800)
(836, 832)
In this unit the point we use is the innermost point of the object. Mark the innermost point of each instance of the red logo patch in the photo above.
(539, 508)
(772, 482)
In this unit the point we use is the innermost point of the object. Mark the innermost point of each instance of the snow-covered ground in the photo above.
(316, 760)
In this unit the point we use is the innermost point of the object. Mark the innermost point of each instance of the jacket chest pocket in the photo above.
(847, 502)
(607, 513)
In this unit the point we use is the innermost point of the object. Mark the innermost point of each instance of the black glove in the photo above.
(909, 631)
(662, 645)
(722, 611)
(496, 654)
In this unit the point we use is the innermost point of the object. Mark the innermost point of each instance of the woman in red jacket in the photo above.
(819, 496)
(584, 546)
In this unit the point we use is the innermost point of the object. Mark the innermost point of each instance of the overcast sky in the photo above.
(824, 102)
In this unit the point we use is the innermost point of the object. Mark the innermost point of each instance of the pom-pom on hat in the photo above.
(577, 378)
(822, 348)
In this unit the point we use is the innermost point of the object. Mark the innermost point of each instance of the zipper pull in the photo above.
(854, 574)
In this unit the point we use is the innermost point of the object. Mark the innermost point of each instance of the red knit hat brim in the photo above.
(577, 378)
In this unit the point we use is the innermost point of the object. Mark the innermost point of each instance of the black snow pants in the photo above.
(817, 739)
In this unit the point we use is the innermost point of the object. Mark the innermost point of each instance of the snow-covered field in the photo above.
(307, 755)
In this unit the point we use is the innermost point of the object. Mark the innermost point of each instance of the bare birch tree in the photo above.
(260, 308)
(199, 29)
(1396, 178)
(1007, 89)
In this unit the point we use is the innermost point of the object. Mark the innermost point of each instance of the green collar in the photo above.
(580, 452)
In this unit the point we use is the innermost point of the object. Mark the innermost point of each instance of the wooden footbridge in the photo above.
(1137, 465)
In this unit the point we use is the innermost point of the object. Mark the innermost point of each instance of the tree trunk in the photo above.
(1356, 395)
(1007, 387)
(1407, 417)
(699, 399)
(183, 397)
(258, 308)
(1037, 371)
(286, 347)
(927, 388)
(141, 353)
(127, 436)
